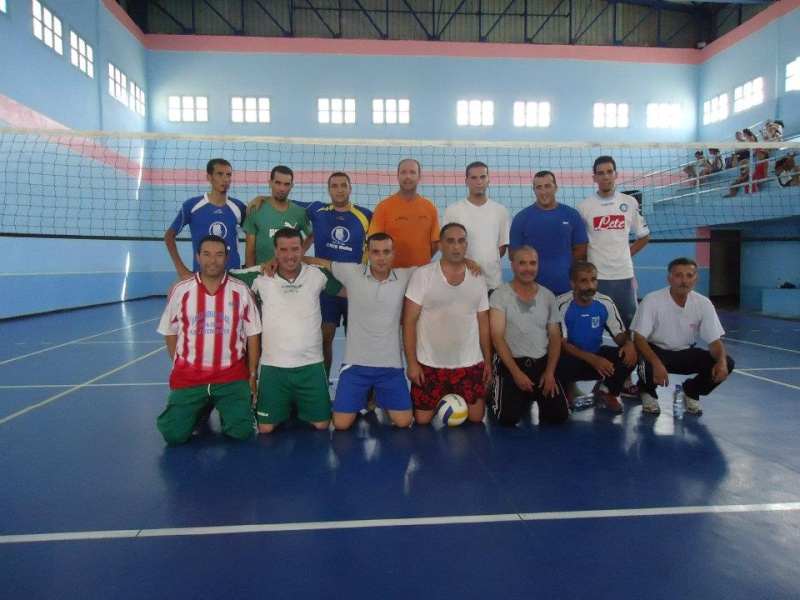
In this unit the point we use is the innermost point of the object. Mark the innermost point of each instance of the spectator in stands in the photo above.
(213, 213)
(773, 131)
(409, 218)
(714, 163)
(787, 172)
(699, 164)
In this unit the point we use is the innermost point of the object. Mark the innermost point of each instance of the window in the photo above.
(475, 113)
(136, 99)
(336, 110)
(531, 114)
(748, 95)
(610, 114)
(249, 110)
(117, 84)
(391, 111)
(793, 75)
(47, 27)
(663, 115)
(81, 54)
(188, 109)
(715, 109)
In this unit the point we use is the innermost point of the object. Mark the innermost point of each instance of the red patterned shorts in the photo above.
(467, 382)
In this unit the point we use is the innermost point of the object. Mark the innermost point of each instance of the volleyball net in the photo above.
(119, 185)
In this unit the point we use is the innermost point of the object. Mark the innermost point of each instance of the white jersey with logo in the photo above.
(671, 327)
(447, 329)
(291, 318)
(212, 331)
(487, 230)
(609, 224)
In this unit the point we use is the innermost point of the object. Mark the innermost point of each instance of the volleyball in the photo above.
(452, 410)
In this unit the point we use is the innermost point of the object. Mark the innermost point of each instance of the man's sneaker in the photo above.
(632, 392)
(650, 404)
(609, 401)
(692, 406)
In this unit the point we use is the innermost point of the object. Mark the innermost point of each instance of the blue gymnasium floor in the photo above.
(93, 505)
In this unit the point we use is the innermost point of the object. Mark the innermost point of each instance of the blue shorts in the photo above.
(355, 381)
(334, 309)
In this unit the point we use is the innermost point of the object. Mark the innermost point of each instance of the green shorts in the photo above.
(306, 387)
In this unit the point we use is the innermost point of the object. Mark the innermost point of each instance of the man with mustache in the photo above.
(665, 329)
(585, 316)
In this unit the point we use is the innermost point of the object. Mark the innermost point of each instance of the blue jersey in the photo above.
(204, 218)
(339, 236)
(585, 325)
(552, 233)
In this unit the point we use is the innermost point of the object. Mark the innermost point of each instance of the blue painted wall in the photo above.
(93, 271)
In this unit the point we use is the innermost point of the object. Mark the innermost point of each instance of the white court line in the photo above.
(769, 369)
(88, 337)
(375, 523)
(728, 339)
(76, 388)
(66, 385)
(789, 385)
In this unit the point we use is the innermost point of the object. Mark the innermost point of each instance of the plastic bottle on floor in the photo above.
(678, 406)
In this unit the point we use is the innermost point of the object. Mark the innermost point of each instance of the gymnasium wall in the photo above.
(295, 72)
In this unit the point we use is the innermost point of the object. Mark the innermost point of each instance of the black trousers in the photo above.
(574, 369)
(691, 361)
(510, 404)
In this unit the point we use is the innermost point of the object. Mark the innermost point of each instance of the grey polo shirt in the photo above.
(373, 314)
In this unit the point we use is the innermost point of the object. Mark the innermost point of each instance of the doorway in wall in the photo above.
(725, 268)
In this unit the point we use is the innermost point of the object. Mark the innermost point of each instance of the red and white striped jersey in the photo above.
(212, 331)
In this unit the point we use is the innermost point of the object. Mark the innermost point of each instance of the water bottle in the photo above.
(678, 406)
(582, 402)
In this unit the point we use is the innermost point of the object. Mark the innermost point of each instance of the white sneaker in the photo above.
(692, 406)
(650, 404)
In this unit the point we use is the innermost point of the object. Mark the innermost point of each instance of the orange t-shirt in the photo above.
(413, 225)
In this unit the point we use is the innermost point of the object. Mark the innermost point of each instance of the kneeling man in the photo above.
(212, 328)
(585, 315)
(446, 331)
(665, 328)
(527, 339)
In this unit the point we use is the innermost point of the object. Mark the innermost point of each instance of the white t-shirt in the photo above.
(671, 327)
(447, 330)
(291, 318)
(487, 229)
(609, 224)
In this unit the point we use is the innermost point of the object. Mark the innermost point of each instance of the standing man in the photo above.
(665, 329)
(486, 223)
(268, 214)
(213, 213)
(372, 357)
(446, 331)
(339, 233)
(409, 218)
(212, 329)
(610, 218)
(292, 369)
(526, 337)
(585, 316)
(556, 231)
